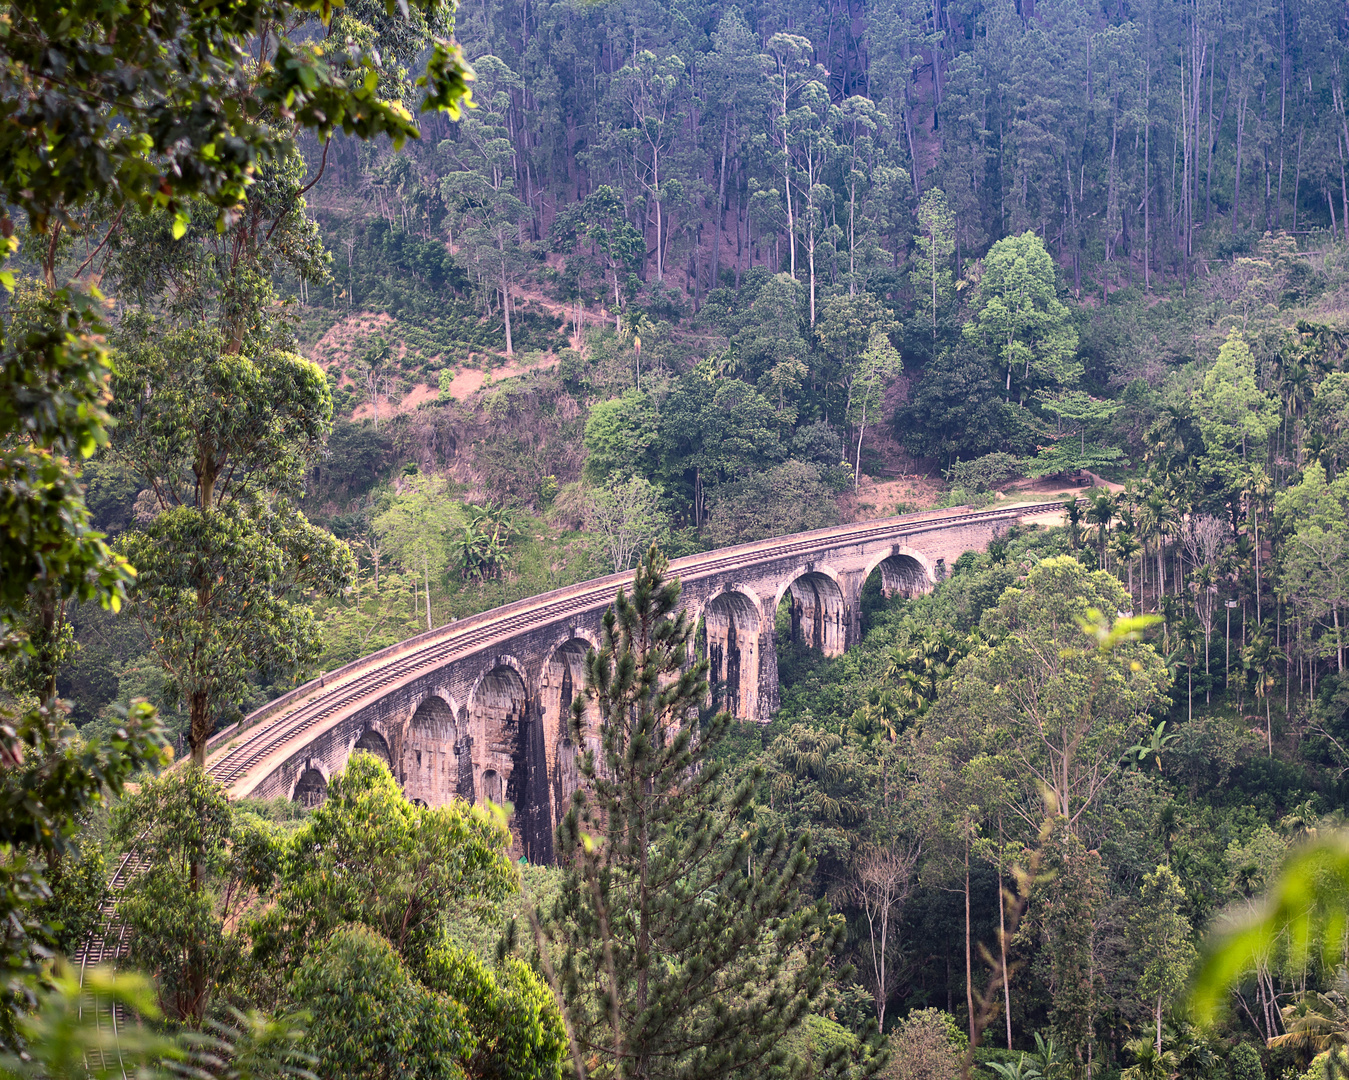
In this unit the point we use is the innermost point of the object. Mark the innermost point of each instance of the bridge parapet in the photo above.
(478, 709)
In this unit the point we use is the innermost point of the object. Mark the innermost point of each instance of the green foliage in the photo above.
(1234, 416)
(663, 859)
(518, 1031)
(1305, 905)
(226, 566)
(934, 244)
(984, 473)
(1066, 709)
(60, 1043)
(1243, 1063)
(371, 1018)
(205, 868)
(150, 118)
(626, 519)
(417, 529)
(1019, 319)
(926, 1045)
(1161, 937)
(54, 382)
(369, 856)
(618, 434)
(784, 499)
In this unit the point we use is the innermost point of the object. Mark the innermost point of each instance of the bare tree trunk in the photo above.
(969, 965)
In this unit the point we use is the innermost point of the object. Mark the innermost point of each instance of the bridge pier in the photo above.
(480, 709)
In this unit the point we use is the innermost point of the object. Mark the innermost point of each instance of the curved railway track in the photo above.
(239, 750)
(281, 722)
(106, 944)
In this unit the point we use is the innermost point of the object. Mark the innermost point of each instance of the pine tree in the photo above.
(687, 949)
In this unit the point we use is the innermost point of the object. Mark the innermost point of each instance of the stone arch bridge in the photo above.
(477, 709)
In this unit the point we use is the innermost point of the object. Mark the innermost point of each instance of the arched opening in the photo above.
(894, 579)
(311, 789)
(437, 764)
(732, 628)
(903, 575)
(496, 720)
(509, 757)
(564, 683)
(373, 742)
(816, 608)
(811, 623)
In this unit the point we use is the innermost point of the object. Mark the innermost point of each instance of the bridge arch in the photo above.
(732, 620)
(509, 756)
(819, 608)
(903, 570)
(497, 707)
(374, 741)
(311, 789)
(436, 758)
(562, 682)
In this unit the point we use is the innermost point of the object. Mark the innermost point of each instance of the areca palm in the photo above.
(1295, 387)
(1157, 520)
(1125, 545)
(1318, 1023)
(1072, 517)
(1261, 659)
(1148, 1063)
(1100, 512)
(1187, 649)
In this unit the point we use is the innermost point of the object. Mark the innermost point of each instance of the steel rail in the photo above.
(263, 734)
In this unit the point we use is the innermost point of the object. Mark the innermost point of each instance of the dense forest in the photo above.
(303, 352)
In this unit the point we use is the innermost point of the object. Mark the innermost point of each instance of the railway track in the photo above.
(279, 723)
(107, 944)
(239, 750)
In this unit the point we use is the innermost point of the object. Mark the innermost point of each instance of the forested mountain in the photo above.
(1139, 141)
(289, 374)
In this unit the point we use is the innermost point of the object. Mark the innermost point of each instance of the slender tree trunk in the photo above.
(198, 729)
(969, 964)
(1241, 133)
(721, 204)
(1002, 946)
(1147, 171)
(426, 577)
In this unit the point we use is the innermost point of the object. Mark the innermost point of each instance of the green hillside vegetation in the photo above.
(301, 354)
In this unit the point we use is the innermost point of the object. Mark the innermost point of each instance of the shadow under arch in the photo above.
(311, 789)
(732, 628)
(818, 611)
(437, 762)
(562, 683)
(904, 574)
(510, 759)
(372, 742)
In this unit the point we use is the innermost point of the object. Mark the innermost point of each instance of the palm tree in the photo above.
(1072, 516)
(1156, 520)
(1125, 545)
(1261, 659)
(1259, 490)
(1187, 649)
(1295, 388)
(1100, 512)
(1318, 1023)
(1149, 1063)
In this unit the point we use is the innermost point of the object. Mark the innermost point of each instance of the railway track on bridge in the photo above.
(238, 751)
